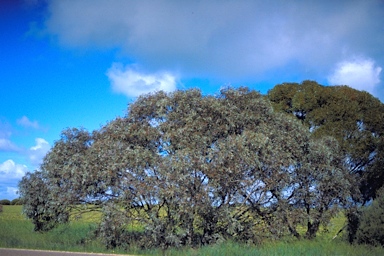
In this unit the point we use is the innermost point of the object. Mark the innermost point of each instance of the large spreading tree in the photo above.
(192, 170)
(354, 118)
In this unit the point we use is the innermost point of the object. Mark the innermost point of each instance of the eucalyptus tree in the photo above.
(355, 118)
(194, 169)
(51, 193)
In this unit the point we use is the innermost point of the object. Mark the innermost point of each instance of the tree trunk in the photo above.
(312, 229)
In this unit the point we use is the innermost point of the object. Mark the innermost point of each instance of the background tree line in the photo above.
(194, 169)
(15, 201)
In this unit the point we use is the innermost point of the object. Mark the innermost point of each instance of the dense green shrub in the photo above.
(5, 202)
(1, 207)
(371, 223)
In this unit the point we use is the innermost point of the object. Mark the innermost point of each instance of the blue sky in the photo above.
(78, 63)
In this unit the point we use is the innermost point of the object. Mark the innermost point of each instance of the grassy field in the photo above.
(17, 232)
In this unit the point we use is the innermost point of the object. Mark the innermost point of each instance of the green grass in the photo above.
(305, 248)
(17, 232)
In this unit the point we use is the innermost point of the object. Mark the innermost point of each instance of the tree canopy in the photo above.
(192, 170)
(354, 118)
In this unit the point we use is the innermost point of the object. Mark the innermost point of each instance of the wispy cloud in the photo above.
(7, 145)
(132, 83)
(360, 73)
(24, 121)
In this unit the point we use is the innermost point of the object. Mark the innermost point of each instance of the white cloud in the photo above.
(132, 83)
(361, 74)
(10, 170)
(37, 152)
(10, 175)
(24, 121)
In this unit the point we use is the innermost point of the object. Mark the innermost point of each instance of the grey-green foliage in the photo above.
(50, 194)
(38, 203)
(192, 170)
